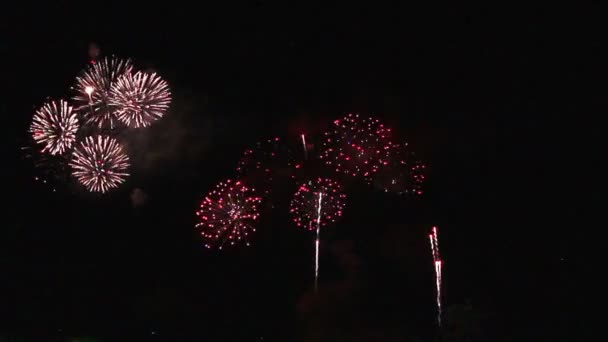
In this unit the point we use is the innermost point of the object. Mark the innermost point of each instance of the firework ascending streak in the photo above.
(437, 263)
(55, 126)
(304, 146)
(93, 90)
(140, 98)
(100, 163)
(227, 214)
(316, 204)
(356, 146)
(318, 240)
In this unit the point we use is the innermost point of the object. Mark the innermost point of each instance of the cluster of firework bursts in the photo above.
(354, 148)
(109, 94)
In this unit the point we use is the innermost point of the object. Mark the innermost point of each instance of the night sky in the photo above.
(485, 97)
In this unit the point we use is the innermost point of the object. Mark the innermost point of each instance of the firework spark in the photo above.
(54, 125)
(93, 90)
(433, 237)
(227, 214)
(402, 172)
(140, 98)
(316, 204)
(100, 163)
(356, 146)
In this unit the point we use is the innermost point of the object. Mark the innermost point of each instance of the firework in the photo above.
(304, 206)
(268, 162)
(402, 172)
(93, 90)
(48, 170)
(140, 98)
(100, 163)
(315, 204)
(304, 146)
(356, 146)
(227, 214)
(54, 125)
(437, 263)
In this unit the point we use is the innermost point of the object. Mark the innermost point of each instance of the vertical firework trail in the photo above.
(317, 241)
(304, 145)
(437, 262)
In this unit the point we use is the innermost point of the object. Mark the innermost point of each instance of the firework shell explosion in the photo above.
(267, 165)
(228, 214)
(54, 126)
(356, 146)
(50, 171)
(140, 98)
(93, 90)
(403, 173)
(100, 163)
(304, 206)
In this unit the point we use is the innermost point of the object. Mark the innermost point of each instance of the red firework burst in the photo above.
(403, 174)
(227, 214)
(54, 125)
(320, 201)
(140, 98)
(356, 146)
(93, 90)
(100, 163)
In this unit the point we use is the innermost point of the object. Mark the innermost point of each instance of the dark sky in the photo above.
(489, 97)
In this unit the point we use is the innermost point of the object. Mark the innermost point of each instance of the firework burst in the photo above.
(356, 146)
(227, 214)
(54, 125)
(140, 98)
(315, 204)
(305, 207)
(403, 173)
(93, 90)
(100, 163)
(268, 162)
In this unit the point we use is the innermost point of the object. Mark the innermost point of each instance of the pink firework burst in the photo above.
(317, 203)
(100, 163)
(227, 215)
(267, 164)
(404, 173)
(140, 98)
(54, 125)
(356, 146)
(93, 90)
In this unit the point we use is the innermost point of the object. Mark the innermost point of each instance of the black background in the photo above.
(492, 98)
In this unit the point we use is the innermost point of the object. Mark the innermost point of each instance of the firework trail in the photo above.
(304, 146)
(316, 204)
(100, 163)
(356, 146)
(54, 125)
(93, 90)
(437, 263)
(227, 214)
(318, 240)
(140, 98)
